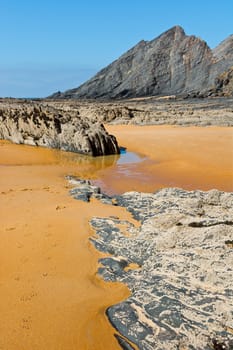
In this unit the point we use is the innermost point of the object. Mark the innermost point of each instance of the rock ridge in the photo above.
(156, 110)
(172, 63)
(35, 125)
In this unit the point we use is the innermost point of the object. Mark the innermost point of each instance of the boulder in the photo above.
(34, 125)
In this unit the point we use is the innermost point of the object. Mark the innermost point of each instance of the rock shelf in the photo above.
(177, 265)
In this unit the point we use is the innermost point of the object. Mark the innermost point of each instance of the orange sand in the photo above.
(51, 297)
(190, 158)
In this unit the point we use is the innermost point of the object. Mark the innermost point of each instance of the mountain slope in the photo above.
(173, 63)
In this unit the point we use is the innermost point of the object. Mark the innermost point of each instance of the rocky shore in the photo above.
(169, 110)
(176, 258)
(80, 121)
(34, 124)
(177, 265)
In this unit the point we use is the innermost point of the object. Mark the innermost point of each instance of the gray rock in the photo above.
(173, 63)
(123, 343)
(182, 279)
(84, 191)
(154, 110)
(38, 126)
(177, 264)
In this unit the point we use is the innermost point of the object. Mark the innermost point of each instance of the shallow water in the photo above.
(51, 297)
(127, 157)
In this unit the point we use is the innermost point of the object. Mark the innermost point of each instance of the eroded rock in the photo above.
(35, 125)
(182, 288)
(177, 264)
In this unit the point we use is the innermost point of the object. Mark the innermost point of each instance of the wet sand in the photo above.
(51, 297)
(186, 157)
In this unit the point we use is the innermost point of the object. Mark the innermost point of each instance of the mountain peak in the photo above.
(177, 29)
(172, 63)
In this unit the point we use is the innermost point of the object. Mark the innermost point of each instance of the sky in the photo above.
(52, 45)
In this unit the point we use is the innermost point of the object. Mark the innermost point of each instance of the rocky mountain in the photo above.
(173, 63)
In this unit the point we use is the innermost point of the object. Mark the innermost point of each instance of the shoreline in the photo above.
(47, 300)
(39, 191)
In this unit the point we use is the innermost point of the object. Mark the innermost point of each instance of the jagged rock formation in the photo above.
(177, 264)
(224, 83)
(173, 63)
(34, 125)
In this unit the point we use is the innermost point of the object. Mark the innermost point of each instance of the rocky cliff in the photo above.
(34, 125)
(173, 63)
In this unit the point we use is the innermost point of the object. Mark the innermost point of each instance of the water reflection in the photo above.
(106, 171)
(125, 171)
(129, 158)
(103, 170)
(99, 163)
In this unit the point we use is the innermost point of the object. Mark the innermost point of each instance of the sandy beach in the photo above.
(51, 297)
(190, 158)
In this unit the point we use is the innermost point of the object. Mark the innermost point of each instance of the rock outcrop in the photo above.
(224, 83)
(177, 264)
(154, 110)
(34, 125)
(173, 63)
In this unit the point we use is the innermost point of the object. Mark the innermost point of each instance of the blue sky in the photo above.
(50, 45)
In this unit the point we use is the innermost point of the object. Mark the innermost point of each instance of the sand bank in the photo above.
(51, 297)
